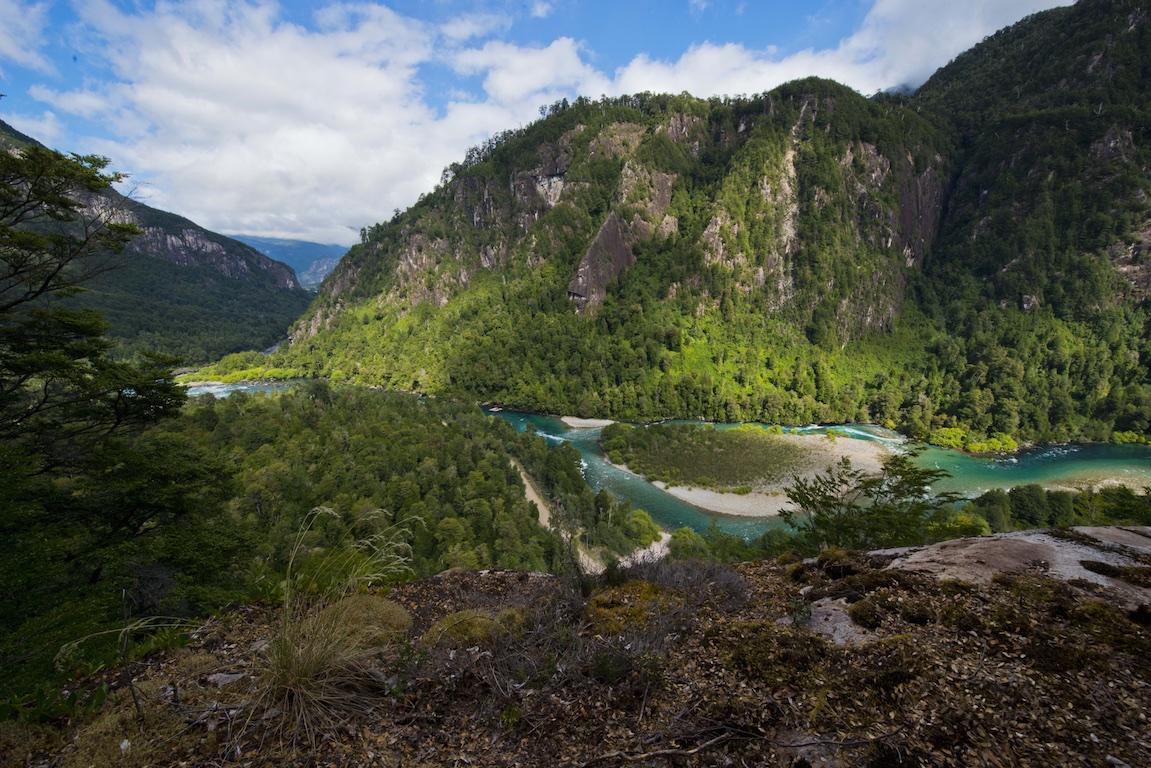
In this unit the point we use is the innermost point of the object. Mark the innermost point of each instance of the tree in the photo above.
(59, 388)
(91, 511)
(848, 507)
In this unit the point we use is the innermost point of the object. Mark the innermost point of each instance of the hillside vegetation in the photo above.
(206, 509)
(836, 662)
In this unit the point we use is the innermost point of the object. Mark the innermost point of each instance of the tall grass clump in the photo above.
(327, 660)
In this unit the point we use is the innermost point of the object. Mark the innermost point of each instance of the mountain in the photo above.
(966, 261)
(180, 289)
(312, 261)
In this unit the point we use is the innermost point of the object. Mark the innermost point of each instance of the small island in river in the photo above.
(741, 471)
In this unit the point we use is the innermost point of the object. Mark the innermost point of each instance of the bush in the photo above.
(687, 544)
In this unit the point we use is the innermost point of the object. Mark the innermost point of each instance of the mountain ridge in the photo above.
(312, 261)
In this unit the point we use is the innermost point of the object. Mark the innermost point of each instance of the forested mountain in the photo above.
(971, 258)
(180, 289)
(312, 261)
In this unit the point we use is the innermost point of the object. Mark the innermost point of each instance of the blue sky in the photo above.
(311, 120)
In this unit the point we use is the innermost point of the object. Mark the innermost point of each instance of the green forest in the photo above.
(736, 460)
(192, 313)
(203, 509)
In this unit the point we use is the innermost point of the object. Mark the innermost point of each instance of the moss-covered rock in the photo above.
(471, 627)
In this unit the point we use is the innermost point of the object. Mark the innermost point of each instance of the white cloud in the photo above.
(478, 25)
(904, 41)
(85, 103)
(245, 122)
(541, 9)
(22, 33)
(514, 74)
(899, 42)
(45, 127)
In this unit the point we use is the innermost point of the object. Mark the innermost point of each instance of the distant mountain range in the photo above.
(970, 260)
(312, 261)
(184, 290)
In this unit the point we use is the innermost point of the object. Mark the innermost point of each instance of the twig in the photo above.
(636, 757)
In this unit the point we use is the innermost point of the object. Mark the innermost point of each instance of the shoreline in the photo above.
(757, 504)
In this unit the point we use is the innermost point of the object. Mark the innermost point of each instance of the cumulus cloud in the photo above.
(246, 122)
(541, 9)
(237, 117)
(476, 25)
(900, 42)
(21, 34)
(514, 73)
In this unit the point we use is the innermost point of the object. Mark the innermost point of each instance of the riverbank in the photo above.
(590, 562)
(754, 504)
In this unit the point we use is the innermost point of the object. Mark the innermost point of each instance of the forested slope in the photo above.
(972, 257)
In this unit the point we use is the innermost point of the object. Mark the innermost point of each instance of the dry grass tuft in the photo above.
(325, 661)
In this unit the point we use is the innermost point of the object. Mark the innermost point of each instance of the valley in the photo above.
(796, 426)
(1058, 467)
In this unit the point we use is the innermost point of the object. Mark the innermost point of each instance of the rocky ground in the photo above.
(996, 651)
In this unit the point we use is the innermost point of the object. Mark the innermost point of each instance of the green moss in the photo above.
(471, 627)
(772, 653)
(867, 613)
(633, 604)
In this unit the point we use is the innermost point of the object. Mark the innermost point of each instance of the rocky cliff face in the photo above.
(179, 241)
(588, 200)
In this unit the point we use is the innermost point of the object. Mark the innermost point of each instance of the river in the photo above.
(1051, 466)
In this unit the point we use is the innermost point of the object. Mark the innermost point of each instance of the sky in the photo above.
(312, 120)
